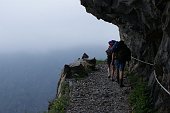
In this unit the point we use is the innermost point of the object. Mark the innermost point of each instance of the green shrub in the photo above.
(59, 105)
(99, 61)
(139, 96)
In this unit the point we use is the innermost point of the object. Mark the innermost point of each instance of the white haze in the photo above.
(40, 26)
(37, 37)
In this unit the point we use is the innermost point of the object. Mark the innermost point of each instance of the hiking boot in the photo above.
(121, 83)
(117, 79)
(112, 79)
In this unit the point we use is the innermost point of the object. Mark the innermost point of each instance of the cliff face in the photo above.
(145, 27)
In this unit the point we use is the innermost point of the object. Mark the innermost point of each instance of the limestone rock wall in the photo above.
(145, 27)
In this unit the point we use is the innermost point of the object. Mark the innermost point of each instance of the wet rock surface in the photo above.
(98, 94)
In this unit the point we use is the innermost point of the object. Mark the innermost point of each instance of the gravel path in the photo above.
(98, 94)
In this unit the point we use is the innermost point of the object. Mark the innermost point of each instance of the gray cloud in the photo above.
(44, 25)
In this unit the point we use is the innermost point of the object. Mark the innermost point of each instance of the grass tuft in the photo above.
(139, 96)
(99, 61)
(59, 105)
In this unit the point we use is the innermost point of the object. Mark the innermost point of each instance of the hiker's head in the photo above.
(111, 43)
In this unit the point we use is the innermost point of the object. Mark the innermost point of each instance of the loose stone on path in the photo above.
(98, 94)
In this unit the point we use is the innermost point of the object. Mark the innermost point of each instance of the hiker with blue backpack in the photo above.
(121, 54)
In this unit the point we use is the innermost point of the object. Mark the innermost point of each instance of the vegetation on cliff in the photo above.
(60, 104)
(139, 96)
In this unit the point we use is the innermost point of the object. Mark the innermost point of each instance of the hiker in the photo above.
(121, 54)
(113, 61)
(109, 59)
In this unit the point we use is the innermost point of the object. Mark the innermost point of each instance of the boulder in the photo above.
(77, 69)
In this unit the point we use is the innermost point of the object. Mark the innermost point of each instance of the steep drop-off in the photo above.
(145, 27)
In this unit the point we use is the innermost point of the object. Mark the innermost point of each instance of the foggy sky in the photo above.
(44, 25)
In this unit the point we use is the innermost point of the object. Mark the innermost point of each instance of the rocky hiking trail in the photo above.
(98, 94)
